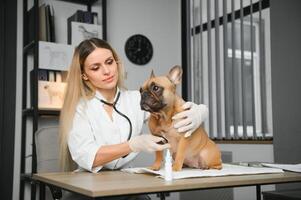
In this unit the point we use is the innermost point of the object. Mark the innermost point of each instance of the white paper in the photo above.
(288, 167)
(190, 172)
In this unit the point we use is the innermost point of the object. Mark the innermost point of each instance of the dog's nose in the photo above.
(144, 95)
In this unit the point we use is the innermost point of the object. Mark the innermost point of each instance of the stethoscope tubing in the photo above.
(121, 114)
(130, 123)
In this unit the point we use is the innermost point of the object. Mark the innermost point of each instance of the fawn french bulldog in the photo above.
(158, 96)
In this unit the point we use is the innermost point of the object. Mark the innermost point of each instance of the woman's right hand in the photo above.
(147, 143)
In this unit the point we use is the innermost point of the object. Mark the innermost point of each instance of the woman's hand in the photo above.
(191, 118)
(147, 143)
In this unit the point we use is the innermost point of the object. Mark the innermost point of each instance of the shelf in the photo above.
(30, 110)
(85, 2)
(41, 112)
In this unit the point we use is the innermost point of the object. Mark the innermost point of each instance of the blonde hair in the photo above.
(78, 89)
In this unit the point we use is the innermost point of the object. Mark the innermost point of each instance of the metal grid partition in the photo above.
(226, 66)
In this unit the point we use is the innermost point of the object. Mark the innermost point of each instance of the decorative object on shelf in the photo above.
(139, 49)
(55, 56)
(51, 88)
(86, 17)
(82, 31)
(51, 95)
(46, 24)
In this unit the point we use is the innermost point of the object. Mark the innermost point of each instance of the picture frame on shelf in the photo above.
(82, 31)
(51, 95)
(51, 91)
(54, 56)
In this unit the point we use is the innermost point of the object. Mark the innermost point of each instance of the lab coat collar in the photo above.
(99, 96)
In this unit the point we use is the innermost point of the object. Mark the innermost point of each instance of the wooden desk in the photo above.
(114, 183)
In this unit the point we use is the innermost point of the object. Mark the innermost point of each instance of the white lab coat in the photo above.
(92, 128)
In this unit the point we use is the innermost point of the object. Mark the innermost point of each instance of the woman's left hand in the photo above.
(191, 118)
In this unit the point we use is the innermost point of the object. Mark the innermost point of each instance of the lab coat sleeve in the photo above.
(81, 142)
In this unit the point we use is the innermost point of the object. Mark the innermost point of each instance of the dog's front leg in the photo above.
(180, 155)
(158, 161)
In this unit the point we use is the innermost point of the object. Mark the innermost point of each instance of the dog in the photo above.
(158, 96)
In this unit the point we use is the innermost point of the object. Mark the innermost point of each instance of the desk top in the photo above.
(111, 183)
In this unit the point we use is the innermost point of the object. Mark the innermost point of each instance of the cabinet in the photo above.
(31, 114)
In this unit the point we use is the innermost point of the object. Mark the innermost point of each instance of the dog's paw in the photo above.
(176, 168)
(155, 167)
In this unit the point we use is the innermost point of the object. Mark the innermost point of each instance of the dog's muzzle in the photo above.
(150, 103)
(143, 104)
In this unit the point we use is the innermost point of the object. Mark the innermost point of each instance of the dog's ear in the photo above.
(152, 74)
(175, 74)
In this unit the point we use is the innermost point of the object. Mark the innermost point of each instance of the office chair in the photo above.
(47, 151)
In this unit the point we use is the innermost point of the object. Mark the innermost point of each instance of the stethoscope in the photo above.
(128, 119)
(121, 114)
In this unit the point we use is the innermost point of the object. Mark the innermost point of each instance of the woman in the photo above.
(93, 135)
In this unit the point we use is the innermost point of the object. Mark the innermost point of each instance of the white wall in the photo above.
(159, 20)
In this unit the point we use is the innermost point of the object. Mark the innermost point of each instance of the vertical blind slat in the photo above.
(193, 79)
(233, 69)
(193, 51)
(201, 52)
(197, 58)
(188, 39)
(209, 66)
(217, 56)
(244, 121)
(252, 67)
(225, 37)
(262, 72)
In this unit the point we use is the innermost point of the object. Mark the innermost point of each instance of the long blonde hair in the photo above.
(78, 89)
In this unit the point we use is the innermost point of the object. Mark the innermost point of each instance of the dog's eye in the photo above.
(140, 90)
(155, 88)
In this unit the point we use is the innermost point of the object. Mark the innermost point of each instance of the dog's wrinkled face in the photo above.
(158, 92)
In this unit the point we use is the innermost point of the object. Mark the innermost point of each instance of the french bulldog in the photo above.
(158, 96)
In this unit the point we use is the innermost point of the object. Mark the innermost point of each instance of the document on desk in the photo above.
(288, 167)
(227, 169)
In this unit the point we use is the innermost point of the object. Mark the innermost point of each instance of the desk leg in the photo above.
(162, 196)
(42, 187)
(258, 192)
